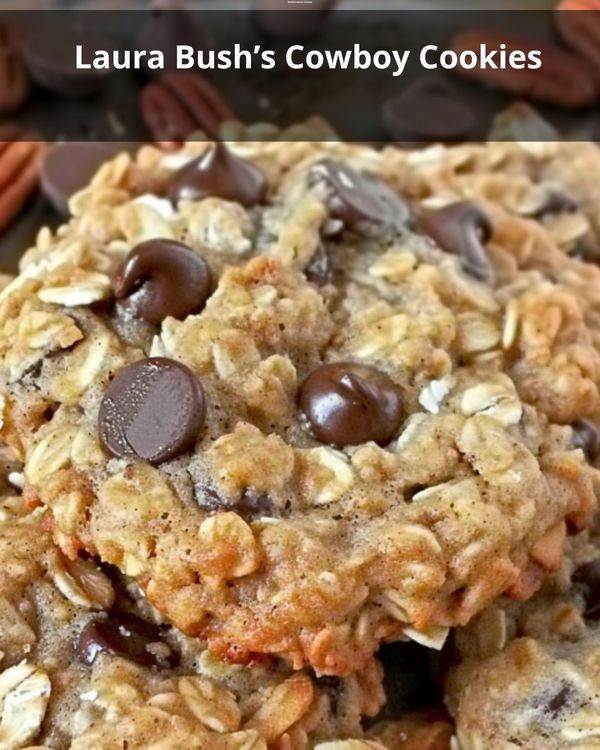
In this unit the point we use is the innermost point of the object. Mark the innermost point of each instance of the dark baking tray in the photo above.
(351, 101)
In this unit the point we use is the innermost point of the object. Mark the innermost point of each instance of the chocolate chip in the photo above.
(428, 110)
(68, 167)
(586, 435)
(349, 403)
(295, 23)
(127, 636)
(556, 201)
(50, 56)
(463, 229)
(358, 198)
(163, 277)
(165, 30)
(222, 174)
(153, 410)
(588, 577)
(319, 270)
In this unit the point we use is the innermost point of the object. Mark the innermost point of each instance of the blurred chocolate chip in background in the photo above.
(167, 27)
(428, 109)
(49, 54)
(68, 167)
(280, 19)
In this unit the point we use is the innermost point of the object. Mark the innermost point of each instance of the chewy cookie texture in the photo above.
(86, 664)
(529, 671)
(310, 396)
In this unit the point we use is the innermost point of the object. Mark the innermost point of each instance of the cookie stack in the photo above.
(277, 416)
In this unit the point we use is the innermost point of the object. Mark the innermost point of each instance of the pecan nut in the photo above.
(19, 173)
(14, 84)
(564, 79)
(181, 103)
(580, 30)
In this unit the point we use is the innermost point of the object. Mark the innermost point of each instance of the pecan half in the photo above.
(19, 172)
(580, 30)
(14, 84)
(181, 103)
(564, 80)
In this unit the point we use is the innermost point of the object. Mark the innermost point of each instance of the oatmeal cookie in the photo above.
(87, 664)
(303, 407)
(529, 675)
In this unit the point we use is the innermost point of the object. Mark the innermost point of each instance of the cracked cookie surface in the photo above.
(379, 439)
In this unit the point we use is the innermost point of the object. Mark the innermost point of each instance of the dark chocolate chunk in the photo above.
(163, 278)
(358, 198)
(50, 56)
(127, 636)
(154, 409)
(462, 229)
(586, 435)
(348, 404)
(428, 110)
(68, 167)
(221, 174)
(588, 577)
(299, 22)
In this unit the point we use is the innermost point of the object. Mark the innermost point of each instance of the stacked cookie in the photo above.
(272, 404)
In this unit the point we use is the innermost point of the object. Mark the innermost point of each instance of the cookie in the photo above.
(358, 430)
(529, 676)
(87, 663)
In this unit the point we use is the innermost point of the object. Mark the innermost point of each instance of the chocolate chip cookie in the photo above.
(86, 663)
(332, 403)
(530, 672)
